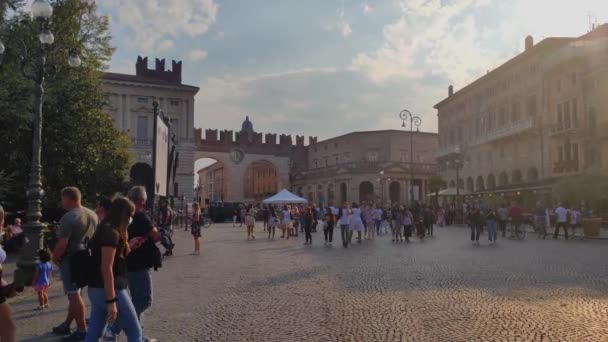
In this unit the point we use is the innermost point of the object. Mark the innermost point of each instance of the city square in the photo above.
(441, 290)
(390, 145)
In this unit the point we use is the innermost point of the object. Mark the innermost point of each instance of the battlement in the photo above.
(159, 72)
(231, 138)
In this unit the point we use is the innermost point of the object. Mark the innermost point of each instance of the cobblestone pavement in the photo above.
(441, 290)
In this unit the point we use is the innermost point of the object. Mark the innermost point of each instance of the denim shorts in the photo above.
(66, 278)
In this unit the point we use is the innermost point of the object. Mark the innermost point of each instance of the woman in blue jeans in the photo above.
(108, 281)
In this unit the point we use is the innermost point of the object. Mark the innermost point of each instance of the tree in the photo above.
(592, 189)
(436, 183)
(80, 147)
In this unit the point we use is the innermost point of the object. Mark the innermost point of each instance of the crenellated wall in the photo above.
(215, 140)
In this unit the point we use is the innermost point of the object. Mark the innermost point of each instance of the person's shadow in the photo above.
(44, 338)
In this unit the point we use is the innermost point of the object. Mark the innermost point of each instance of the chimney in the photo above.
(450, 90)
(529, 43)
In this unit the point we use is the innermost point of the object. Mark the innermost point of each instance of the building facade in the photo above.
(529, 121)
(368, 166)
(129, 102)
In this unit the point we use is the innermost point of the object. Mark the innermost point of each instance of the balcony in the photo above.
(371, 167)
(505, 131)
(560, 130)
(446, 151)
(566, 166)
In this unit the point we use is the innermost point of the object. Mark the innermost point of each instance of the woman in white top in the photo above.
(344, 221)
(250, 222)
(285, 222)
(356, 224)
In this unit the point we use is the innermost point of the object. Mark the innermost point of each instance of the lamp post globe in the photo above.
(42, 9)
(74, 60)
(46, 37)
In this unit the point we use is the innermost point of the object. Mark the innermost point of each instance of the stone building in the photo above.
(532, 120)
(129, 102)
(367, 166)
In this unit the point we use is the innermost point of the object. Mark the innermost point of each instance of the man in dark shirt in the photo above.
(516, 213)
(140, 260)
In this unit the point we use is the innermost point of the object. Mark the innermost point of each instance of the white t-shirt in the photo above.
(286, 216)
(574, 215)
(344, 219)
(562, 215)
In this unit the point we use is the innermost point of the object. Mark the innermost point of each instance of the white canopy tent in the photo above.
(284, 197)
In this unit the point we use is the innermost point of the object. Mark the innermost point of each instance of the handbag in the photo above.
(81, 266)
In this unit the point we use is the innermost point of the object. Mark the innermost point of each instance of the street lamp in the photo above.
(35, 68)
(414, 122)
(457, 165)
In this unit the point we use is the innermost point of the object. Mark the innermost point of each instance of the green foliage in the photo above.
(590, 189)
(436, 183)
(80, 145)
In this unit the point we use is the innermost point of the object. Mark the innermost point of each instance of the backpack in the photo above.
(81, 266)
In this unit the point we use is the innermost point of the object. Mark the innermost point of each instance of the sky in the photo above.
(328, 67)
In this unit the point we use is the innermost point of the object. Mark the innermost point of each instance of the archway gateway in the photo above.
(366, 192)
(255, 164)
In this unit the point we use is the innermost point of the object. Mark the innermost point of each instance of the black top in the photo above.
(106, 236)
(142, 257)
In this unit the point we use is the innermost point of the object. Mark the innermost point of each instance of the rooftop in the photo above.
(404, 132)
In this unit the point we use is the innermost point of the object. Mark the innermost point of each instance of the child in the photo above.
(272, 224)
(42, 278)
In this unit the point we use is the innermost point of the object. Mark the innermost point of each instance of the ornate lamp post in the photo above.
(414, 122)
(35, 68)
(457, 165)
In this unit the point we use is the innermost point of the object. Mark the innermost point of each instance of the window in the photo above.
(326, 162)
(568, 151)
(560, 154)
(346, 157)
(566, 114)
(174, 126)
(460, 134)
(502, 153)
(574, 77)
(502, 115)
(142, 128)
(142, 99)
(174, 103)
(559, 117)
(337, 160)
(575, 152)
(574, 113)
(372, 156)
(325, 147)
(515, 112)
(531, 105)
(316, 163)
(336, 145)
(558, 85)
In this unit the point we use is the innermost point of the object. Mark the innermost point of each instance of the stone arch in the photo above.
(516, 177)
(261, 180)
(343, 193)
(366, 192)
(470, 185)
(452, 184)
(480, 184)
(491, 182)
(394, 192)
(503, 179)
(532, 175)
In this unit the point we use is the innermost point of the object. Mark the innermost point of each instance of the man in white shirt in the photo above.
(562, 221)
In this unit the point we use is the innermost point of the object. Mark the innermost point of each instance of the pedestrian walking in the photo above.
(195, 228)
(344, 222)
(107, 290)
(42, 278)
(8, 329)
(503, 217)
(75, 230)
(408, 223)
(491, 221)
(475, 223)
(250, 222)
(428, 219)
(308, 219)
(286, 222)
(165, 221)
(377, 217)
(356, 223)
(328, 229)
(273, 221)
(562, 221)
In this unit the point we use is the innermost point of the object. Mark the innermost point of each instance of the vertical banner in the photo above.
(161, 160)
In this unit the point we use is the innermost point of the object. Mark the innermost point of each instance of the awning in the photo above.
(284, 197)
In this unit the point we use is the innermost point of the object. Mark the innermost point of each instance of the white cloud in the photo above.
(341, 25)
(197, 55)
(366, 8)
(429, 39)
(346, 30)
(148, 23)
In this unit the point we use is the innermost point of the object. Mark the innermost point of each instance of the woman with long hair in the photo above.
(356, 223)
(195, 228)
(250, 221)
(308, 218)
(108, 281)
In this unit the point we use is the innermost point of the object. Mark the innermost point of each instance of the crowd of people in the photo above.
(364, 222)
